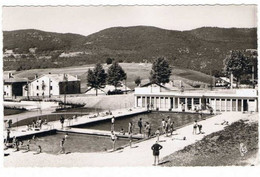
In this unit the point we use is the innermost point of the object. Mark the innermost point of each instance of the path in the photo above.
(140, 155)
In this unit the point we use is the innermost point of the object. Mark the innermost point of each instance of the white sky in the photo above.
(87, 20)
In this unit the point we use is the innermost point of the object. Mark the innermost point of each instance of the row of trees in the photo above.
(98, 78)
(241, 64)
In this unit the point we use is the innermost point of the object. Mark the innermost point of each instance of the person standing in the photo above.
(163, 124)
(62, 121)
(140, 125)
(171, 127)
(130, 128)
(156, 152)
(8, 136)
(113, 139)
(200, 128)
(113, 124)
(62, 149)
(157, 133)
(10, 123)
(40, 123)
(130, 140)
(195, 125)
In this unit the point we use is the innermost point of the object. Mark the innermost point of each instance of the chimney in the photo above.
(65, 77)
(36, 76)
(10, 75)
(76, 77)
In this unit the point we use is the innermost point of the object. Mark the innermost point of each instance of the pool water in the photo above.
(154, 118)
(75, 143)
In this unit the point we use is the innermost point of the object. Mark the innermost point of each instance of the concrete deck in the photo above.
(56, 125)
(139, 155)
(98, 132)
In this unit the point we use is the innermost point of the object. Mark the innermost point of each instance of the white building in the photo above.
(52, 84)
(220, 100)
(13, 86)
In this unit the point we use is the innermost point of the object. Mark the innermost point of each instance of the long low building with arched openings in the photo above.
(216, 100)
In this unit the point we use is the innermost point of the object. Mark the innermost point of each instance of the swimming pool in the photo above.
(75, 143)
(154, 118)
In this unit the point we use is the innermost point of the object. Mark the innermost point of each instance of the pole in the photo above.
(253, 76)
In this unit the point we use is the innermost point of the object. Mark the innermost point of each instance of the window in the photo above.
(162, 104)
(228, 105)
(182, 100)
(239, 105)
(223, 105)
(176, 103)
(218, 104)
(50, 87)
(37, 87)
(196, 101)
(234, 105)
(139, 101)
(37, 94)
(4, 93)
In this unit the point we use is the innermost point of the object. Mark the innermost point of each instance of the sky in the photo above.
(86, 20)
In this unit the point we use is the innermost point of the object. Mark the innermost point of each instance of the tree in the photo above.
(161, 71)
(237, 64)
(116, 74)
(138, 81)
(97, 78)
(109, 61)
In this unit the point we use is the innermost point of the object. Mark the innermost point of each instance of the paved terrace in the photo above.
(140, 155)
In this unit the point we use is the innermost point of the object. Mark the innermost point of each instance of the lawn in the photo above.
(220, 148)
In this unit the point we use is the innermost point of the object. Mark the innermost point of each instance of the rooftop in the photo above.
(60, 77)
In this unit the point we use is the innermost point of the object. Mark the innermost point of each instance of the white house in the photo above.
(52, 84)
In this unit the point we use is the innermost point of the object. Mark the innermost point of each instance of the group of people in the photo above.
(36, 124)
(167, 126)
(197, 128)
(19, 145)
(69, 119)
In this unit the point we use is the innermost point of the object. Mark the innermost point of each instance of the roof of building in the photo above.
(14, 80)
(107, 88)
(201, 93)
(172, 85)
(59, 77)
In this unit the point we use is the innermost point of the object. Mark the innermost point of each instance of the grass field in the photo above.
(133, 70)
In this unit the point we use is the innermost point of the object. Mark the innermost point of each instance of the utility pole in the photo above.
(65, 88)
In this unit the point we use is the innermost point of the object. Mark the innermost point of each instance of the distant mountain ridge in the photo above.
(201, 49)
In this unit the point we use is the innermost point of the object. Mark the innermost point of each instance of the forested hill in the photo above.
(194, 49)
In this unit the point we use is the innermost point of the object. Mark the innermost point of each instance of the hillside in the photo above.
(194, 49)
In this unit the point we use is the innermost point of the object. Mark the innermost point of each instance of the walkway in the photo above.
(140, 155)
